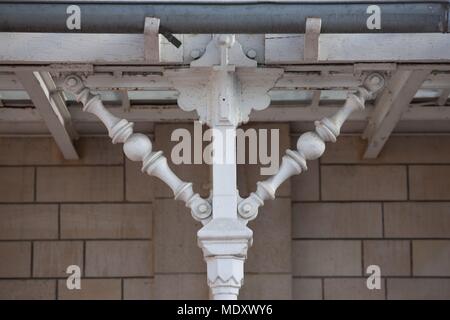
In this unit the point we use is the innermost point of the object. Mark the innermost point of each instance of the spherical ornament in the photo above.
(310, 145)
(137, 147)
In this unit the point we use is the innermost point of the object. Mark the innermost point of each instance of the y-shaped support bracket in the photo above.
(138, 147)
(310, 146)
(223, 86)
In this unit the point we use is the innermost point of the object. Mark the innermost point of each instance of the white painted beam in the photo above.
(360, 48)
(275, 113)
(391, 104)
(52, 109)
(10, 82)
(52, 47)
(19, 48)
(314, 77)
(58, 103)
(385, 47)
(151, 40)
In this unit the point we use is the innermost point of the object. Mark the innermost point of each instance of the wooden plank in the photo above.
(19, 48)
(125, 100)
(390, 106)
(10, 82)
(71, 47)
(151, 40)
(276, 113)
(284, 48)
(58, 103)
(315, 100)
(313, 77)
(51, 109)
(388, 47)
(128, 49)
(385, 47)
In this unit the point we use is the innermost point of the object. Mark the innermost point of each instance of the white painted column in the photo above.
(224, 173)
(223, 86)
(225, 239)
(223, 110)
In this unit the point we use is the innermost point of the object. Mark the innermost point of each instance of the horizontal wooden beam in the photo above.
(20, 48)
(360, 48)
(275, 113)
(315, 77)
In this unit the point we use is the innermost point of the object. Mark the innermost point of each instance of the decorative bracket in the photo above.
(138, 147)
(311, 45)
(199, 85)
(310, 146)
(223, 86)
(151, 40)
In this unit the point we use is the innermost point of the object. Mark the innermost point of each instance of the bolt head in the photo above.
(374, 82)
(203, 208)
(251, 53)
(71, 82)
(247, 207)
(195, 54)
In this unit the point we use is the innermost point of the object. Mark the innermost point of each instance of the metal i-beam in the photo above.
(52, 109)
(393, 102)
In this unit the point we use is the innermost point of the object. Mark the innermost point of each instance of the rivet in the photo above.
(71, 82)
(247, 208)
(251, 53)
(203, 208)
(195, 54)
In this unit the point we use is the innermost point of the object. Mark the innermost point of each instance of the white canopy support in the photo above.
(52, 108)
(392, 103)
(20, 48)
(312, 33)
(223, 87)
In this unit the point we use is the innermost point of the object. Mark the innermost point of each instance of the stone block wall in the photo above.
(133, 241)
(394, 212)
